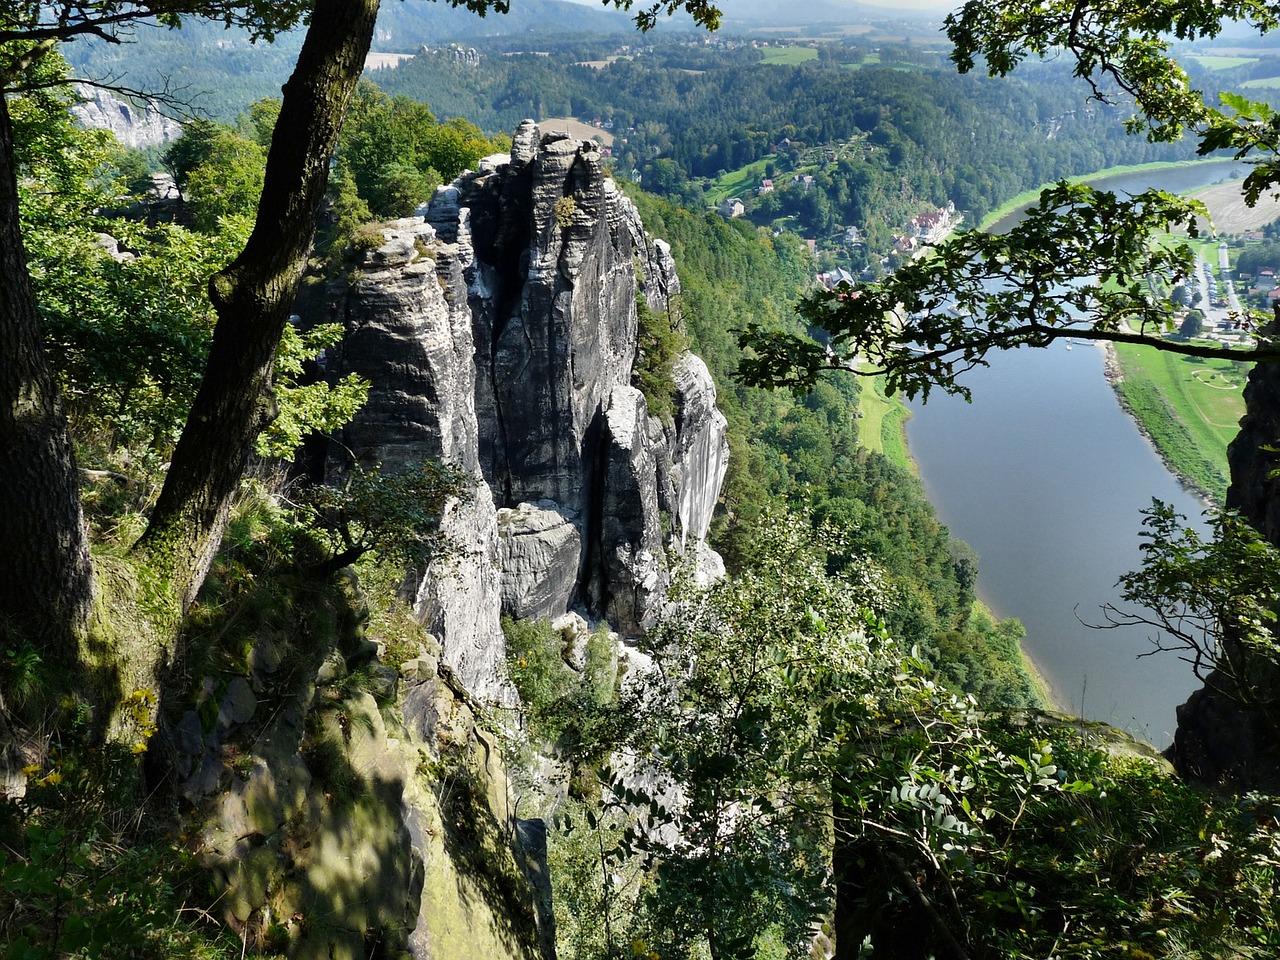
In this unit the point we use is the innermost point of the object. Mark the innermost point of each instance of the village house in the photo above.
(852, 236)
(766, 186)
(836, 278)
(933, 226)
(732, 208)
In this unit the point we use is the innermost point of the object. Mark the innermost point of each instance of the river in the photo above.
(1045, 475)
(1179, 179)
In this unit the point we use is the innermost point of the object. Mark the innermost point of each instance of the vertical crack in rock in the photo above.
(499, 331)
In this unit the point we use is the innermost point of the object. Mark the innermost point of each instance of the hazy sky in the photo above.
(940, 6)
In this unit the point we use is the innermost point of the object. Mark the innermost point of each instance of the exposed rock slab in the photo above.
(539, 550)
(498, 329)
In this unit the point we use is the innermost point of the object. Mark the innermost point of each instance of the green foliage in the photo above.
(227, 183)
(306, 408)
(984, 659)
(535, 662)
(563, 212)
(1213, 599)
(85, 874)
(218, 172)
(259, 121)
(1192, 325)
(397, 515)
(349, 213)
(780, 724)
(805, 450)
(567, 709)
(882, 145)
(659, 344)
(128, 335)
(731, 723)
(935, 317)
(397, 154)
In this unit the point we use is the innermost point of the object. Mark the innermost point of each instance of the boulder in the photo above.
(539, 549)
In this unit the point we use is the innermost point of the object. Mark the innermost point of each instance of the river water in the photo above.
(1045, 475)
(1191, 176)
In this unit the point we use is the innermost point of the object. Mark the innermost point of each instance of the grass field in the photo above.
(1190, 407)
(1219, 62)
(1262, 83)
(737, 183)
(883, 426)
(789, 56)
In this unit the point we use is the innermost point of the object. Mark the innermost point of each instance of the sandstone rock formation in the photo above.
(134, 125)
(499, 329)
(348, 800)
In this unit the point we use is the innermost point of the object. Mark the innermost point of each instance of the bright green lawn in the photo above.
(1262, 83)
(1210, 62)
(883, 427)
(737, 183)
(1190, 407)
(789, 56)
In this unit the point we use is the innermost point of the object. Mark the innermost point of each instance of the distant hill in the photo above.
(412, 22)
(220, 71)
(776, 13)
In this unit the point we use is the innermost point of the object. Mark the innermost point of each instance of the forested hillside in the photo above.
(921, 135)
(361, 488)
(803, 454)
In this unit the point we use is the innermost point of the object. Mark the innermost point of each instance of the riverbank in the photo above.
(1188, 411)
(1039, 681)
(882, 425)
(1027, 197)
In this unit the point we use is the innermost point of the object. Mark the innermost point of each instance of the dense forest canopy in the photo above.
(831, 736)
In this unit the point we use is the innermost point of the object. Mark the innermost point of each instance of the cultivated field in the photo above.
(1212, 62)
(1262, 83)
(1230, 215)
(789, 56)
(576, 128)
(1243, 51)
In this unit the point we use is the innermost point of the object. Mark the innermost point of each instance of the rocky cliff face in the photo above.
(1217, 739)
(347, 797)
(133, 125)
(499, 332)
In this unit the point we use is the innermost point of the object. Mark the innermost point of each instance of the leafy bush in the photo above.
(396, 515)
(659, 344)
(571, 711)
(564, 211)
(306, 408)
(85, 874)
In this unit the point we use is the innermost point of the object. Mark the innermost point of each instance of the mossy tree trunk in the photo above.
(46, 583)
(253, 298)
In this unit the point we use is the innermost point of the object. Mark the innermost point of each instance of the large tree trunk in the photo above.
(253, 297)
(46, 584)
(1219, 740)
